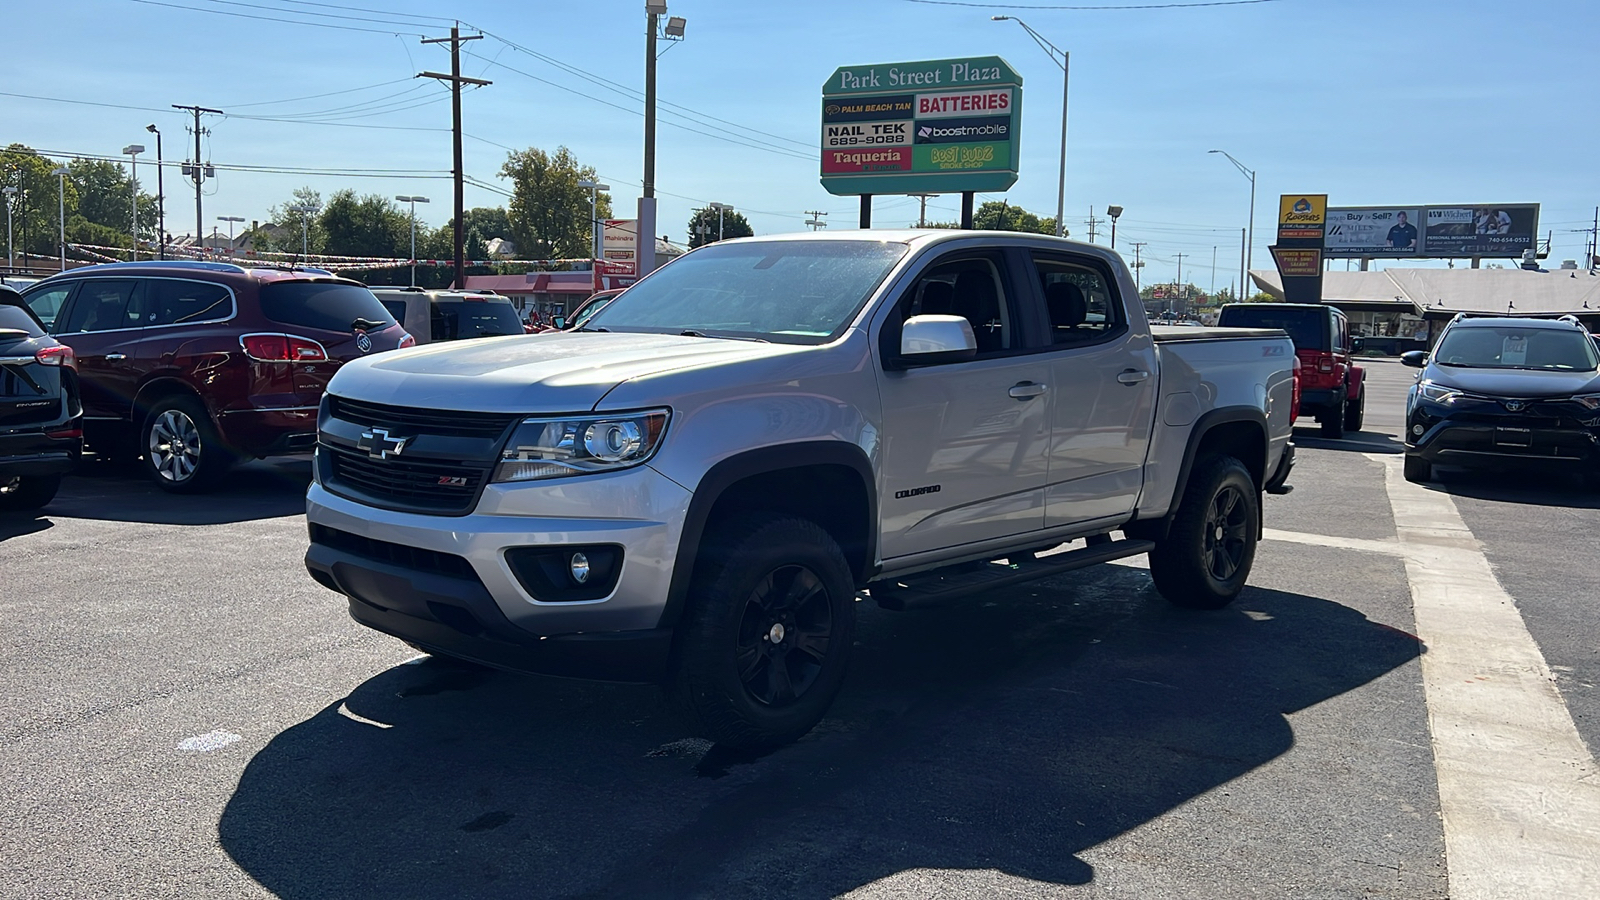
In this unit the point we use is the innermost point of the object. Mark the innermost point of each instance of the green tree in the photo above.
(1000, 215)
(549, 213)
(370, 225)
(287, 217)
(485, 223)
(703, 226)
(35, 214)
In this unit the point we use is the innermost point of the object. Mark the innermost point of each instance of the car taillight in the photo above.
(407, 341)
(57, 356)
(1294, 397)
(1325, 364)
(282, 348)
(63, 433)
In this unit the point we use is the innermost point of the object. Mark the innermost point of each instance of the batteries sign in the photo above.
(937, 126)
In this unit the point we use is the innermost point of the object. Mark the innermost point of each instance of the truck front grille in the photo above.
(432, 486)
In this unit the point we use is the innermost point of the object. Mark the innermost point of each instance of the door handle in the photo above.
(113, 357)
(1027, 390)
(1133, 376)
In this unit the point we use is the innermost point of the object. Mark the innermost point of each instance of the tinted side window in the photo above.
(396, 308)
(456, 319)
(47, 302)
(1081, 305)
(17, 319)
(324, 305)
(182, 302)
(105, 305)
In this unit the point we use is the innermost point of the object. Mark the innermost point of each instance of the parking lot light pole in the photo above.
(594, 188)
(720, 208)
(413, 201)
(132, 151)
(1247, 259)
(11, 200)
(1065, 62)
(61, 203)
(230, 220)
(306, 211)
(161, 197)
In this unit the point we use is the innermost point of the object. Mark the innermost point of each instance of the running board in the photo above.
(927, 588)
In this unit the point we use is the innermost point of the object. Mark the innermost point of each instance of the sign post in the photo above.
(936, 126)
(1302, 226)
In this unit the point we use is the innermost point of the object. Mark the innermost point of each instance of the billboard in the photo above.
(619, 243)
(1437, 231)
(1302, 228)
(936, 126)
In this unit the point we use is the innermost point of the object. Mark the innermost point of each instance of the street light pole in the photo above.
(1065, 62)
(11, 200)
(230, 220)
(720, 208)
(161, 196)
(1115, 212)
(61, 203)
(306, 211)
(594, 188)
(413, 201)
(1247, 259)
(133, 151)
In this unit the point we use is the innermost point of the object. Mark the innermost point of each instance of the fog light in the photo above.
(579, 566)
(1417, 430)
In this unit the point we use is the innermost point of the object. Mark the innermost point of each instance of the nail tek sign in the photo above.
(939, 126)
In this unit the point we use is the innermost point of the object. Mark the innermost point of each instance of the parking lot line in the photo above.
(1518, 789)
(1391, 548)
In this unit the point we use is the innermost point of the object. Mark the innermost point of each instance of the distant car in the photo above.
(41, 433)
(586, 310)
(1497, 390)
(1332, 387)
(19, 282)
(196, 365)
(431, 316)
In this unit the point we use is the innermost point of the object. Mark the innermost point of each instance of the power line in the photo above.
(320, 96)
(278, 20)
(1189, 5)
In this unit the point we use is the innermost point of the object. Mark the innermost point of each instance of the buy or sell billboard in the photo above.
(937, 126)
(1436, 231)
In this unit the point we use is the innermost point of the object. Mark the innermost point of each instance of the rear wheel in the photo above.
(1417, 469)
(766, 639)
(1206, 556)
(183, 453)
(1333, 420)
(19, 493)
(1356, 412)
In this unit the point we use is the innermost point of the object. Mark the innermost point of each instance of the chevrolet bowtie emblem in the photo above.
(379, 444)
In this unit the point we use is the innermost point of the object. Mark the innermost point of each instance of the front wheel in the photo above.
(1417, 469)
(766, 639)
(183, 453)
(19, 493)
(1206, 556)
(1356, 412)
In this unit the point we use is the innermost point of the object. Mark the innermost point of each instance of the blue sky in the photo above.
(1370, 101)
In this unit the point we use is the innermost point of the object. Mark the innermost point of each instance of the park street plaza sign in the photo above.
(939, 126)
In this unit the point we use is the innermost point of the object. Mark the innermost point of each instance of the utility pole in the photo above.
(456, 80)
(1093, 225)
(922, 212)
(198, 170)
(1138, 264)
(816, 221)
(1179, 285)
(1213, 270)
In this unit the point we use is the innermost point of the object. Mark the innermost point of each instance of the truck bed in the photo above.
(1167, 334)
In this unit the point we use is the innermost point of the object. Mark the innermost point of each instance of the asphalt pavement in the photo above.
(185, 713)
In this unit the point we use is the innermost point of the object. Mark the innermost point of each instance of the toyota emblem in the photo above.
(363, 343)
(1515, 405)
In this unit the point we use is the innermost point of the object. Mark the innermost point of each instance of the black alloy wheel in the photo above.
(784, 635)
(1227, 533)
(1205, 558)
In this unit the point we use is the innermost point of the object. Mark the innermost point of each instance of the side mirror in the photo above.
(927, 340)
(1416, 359)
(560, 322)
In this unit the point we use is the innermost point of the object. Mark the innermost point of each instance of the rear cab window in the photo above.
(324, 305)
(1307, 328)
(1082, 306)
(455, 318)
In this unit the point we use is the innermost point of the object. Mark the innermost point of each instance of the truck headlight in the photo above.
(1589, 401)
(559, 446)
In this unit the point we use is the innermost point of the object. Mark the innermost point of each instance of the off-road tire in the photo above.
(204, 458)
(1333, 420)
(1191, 567)
(1417, 470)
(27, 492)
(724, 655)
(1356, 413)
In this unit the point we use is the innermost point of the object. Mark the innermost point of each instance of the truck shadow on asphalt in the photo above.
(1009, 733)
(1353, 441)
(121, 492)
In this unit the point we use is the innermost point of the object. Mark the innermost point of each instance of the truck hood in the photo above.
(543, 373)
(1515, 382)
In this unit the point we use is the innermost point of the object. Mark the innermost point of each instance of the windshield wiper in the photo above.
(690, 332)
(362, 323)
(596, 328)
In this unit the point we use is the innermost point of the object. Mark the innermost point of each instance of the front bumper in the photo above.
(1480, 437)
(413, 595)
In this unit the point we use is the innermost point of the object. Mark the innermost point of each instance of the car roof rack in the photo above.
(198, 264)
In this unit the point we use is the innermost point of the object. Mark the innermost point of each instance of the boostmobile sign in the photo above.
(939, 126)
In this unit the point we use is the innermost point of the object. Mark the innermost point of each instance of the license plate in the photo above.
(1513, 437)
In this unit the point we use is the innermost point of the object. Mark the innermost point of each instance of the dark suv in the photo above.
(196, 365)
(1498, 390)
(40, 436)
(1332, 386)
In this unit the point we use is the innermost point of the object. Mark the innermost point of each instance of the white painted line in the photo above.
(1323, 540)
(345, 711)
(1519, 791)
(211, 740)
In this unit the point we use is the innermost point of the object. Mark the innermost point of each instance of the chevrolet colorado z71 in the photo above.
(693, 487)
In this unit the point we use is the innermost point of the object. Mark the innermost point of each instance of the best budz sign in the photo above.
(939, 126)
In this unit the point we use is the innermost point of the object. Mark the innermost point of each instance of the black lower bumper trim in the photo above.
(458, 617)
(38, 464)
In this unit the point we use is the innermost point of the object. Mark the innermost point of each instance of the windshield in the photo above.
(457, 319)
(330, 306)
(1513, 347)
(1307, 327)
(802, 292)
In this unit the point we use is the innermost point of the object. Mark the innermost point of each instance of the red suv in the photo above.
(1332, 386)
(197, 365)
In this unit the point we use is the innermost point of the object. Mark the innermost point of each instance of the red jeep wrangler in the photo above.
(1332, 386)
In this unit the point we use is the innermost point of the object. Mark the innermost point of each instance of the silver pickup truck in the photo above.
(693, 488)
